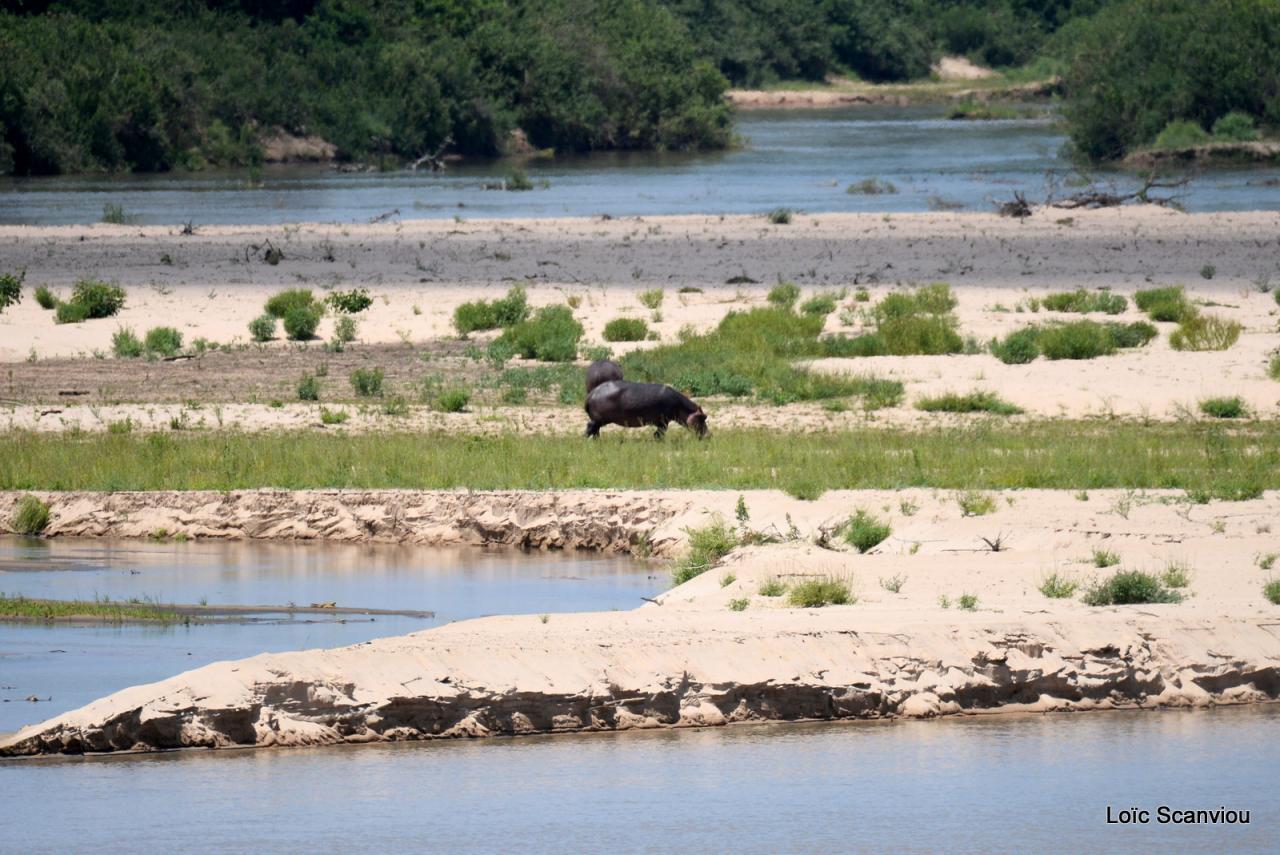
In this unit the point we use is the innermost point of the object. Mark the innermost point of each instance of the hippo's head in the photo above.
(697, 422)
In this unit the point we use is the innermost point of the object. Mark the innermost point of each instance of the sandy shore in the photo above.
(690, 660)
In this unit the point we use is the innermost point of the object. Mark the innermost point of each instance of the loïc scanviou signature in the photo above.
(1165, 815)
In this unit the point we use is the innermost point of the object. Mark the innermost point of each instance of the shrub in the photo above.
(551, 335)
(31, 516)
(739, 605)
(918, 322)
(1181, 133)
(1204, 332)
(707, 545)
(1135, 334)
(71, 313)
(1273, 366)
(1057, 587)
(974, 402)
(1271, 590)
(344, 329)
(350, 302)
(1075, 340)
(968, 602)
(1018, 347)
(367, 382)
(1235, 127)
(652, 298)
(301, 322)
(125, 345)
(45, 297)
(871, 187)
(452, 400)
(772, 587)
(488, 315)
(784, 294)
(1176, 575)
(1105, 558)
(1164, 304)
(863, 531)
(308, 388)
(517, 180)
(780, 216)
(1130, 587)
(819, 304)
(263, 327)
(1223, 408)
(333, 417)
(626, 329)
(974, 503)
(11, 289)
(165, 341)
(1082, 301)
(99, 299)
(280, 304)
(815, 593)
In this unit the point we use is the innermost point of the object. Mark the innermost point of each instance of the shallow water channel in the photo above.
(802, 159)
(73, 664)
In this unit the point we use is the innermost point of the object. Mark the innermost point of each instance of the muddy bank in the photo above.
(891, 95)
(1207, 153)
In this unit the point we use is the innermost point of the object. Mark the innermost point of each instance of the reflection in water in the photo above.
(803, 159)
(1007, 784)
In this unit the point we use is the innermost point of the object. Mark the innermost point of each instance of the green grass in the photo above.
(707, 545)
(974, 503)
(278, 305)
(625, 329)
(1233, 463)
(308, 388)
(1082, 302)
(367, 382)
(968, 602)
(784, 295)
(1205, 332)
(979, 111)
(1168, 304)
(974, 402)
(739, 605)
(863, 531)
(333, 417)
(1058, 587)
(492, 314)
(551, 335)
(164, 341)
(652, 298)
(871, 187)
(1129, 587)
(451, 400)
(1177, 574)
(1223, 408)
(772, 587)
(125, 344)
(818, 592)
(781, 216)
(45, 298)
(104, 610)
(1073, 340)
(31, 516)
(1104, 558)
(1271, 590)
(263, 327)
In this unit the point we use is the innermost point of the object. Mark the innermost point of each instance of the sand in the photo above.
(689, 660)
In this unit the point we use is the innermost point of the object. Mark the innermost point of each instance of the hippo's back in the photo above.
(602, 371)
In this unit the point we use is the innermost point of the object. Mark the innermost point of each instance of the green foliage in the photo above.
(1179, 134)
(739, 604)
(1223, 408)
(707, 545)
(974, 402)
(308, 388)
(1138, 66)
(1235, 127)
(11, 289)
(125, 344)
(1271, 590)
(817, 592)
(1205, 332)
(280, 304)
(367, 382)
(333, 417)
(1018, 347)
(781, 216)
(263, 327)
(1104, 558)
(819, 304)
(968, 602)
(1176, 575)
(871, 187)
(301, 322)
(772, 587)
(1129, 587)
(353, 301)
(344, 329)
(626, 329)
(116, 215)
(1058, 587)
(551, 335)
(71, 313)
(1167, 304)
(45, 297)
(517, 180)
(165, 341)
(1075, 340)
(863, 531)
(492, 314)
(652, 298)
(1082, 301)
(784, 295)
(452, 400)
(31, 516)
(99, 299)
(974, 503)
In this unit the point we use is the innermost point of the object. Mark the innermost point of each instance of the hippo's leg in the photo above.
(593, 430)
(660, 430)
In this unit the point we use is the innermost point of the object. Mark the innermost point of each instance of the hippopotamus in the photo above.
(621, 402)
(602, 371)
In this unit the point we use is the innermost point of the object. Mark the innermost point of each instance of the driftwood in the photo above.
(435, 159)
(1018, 206)
(1096, 198)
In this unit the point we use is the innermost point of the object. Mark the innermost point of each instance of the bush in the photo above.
(99, 299)
(280, 304)
(125, 345)
(707, 545)
(351, 302)
(1082, 302)
(815, 593)
(1076, 340)
(333, 417)
(1181, 133)
(551, 335)
(772, 587)
(1128, 588)
(974, 402)
(1168, 305)
(1235, 127)
(367, 382)
(488, 315)
(31, 516)
(308, 388)
(863, 531)
(1057, 587)
(626, 329)
(452, 400)
(344, 329)
(784, 295)
(45, 297)
(780, 216)
(1018, 347)
(263, 327)
(871, 187)
(819, 304)
(71, 313)
(1135, 334)
(165, 341)
(301, 322)
(651, 299)
(1223, 408)
(1271, 590)
(10, 289)
(1204, 332)
(517, 180)
(975, 503)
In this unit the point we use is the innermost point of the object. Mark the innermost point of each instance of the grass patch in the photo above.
(492, 314)
(279, 305)
(45, 298)
(551, 335)
(1129, 587)
(772, 587)
(301, 322)
(125, 344)
(1223, 408)
(871, 187)
(818, 592)
(974, 503)
(1168, 304)
(349, 302)
(819, 304)
(863, 531)
(308, 388)
(974, 402)
(626, 329)
(1058, 587)
(1104, 558)
(907, 323)
(1081, 301)
(707, 545)
(968, 602)
(1204, 332)
(1176, 575)
(893, 584)
(263, 327)
(739, 605)
(1073, 340)
(451, 401)
(104, 610)
(652, 298)
(367, 382)
(30, 516)
(781, 216)
(784, 295)
(333, 417)
(1194, 456)
(1271, 590)
(165, 341)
